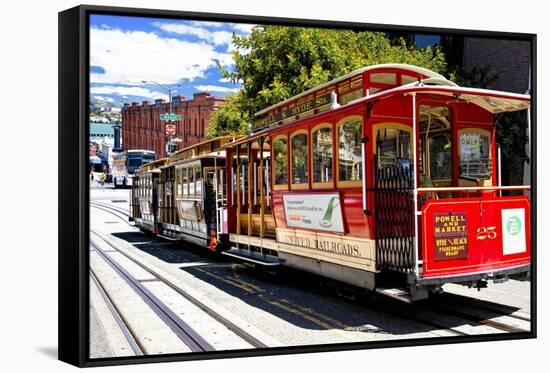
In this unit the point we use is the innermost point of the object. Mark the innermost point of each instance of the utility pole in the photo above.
(168, 136)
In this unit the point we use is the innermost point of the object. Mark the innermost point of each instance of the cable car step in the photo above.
(396, 293)
(246, 255)
(170, 238)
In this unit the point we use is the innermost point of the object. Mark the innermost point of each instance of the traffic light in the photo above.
(172, 147)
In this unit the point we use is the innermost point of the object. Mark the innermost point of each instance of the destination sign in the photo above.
(301, 108)
(450, 236)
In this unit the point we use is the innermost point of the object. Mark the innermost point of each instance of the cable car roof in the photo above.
(405, 67)
(490, 100)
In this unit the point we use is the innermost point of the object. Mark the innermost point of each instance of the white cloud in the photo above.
(103, 98)
(215, 88)
(227, 80)
(127, 91)
(212, 37)
(207, 24)
(128, 57)
(243, 27)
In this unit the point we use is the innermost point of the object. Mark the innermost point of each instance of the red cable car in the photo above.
(386, 179)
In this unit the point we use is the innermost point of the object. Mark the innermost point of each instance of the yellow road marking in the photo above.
(245, 287)
(316, 321)
(329, 319)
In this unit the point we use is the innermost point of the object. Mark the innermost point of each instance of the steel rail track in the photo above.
(136, 347)
(407, 315)
(186, 333)
(111, 206)
(253, 341)
(110, 211)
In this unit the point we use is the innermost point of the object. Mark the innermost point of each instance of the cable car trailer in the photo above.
(386, 179)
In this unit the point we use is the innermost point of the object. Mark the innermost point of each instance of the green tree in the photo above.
(229, 118)
(477, 77)
(274, 63)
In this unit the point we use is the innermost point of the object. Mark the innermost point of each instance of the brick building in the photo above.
(509, 59)
(143, 129)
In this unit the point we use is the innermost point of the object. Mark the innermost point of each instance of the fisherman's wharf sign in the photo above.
(450, 236)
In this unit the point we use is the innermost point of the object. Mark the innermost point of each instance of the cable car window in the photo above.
(184, 182)
(393, 147)
(299, 159)
(440, 157)
(322, 155)
(435, 143)
(349, 150)
(280, 150)
(198, 180)
(407, 79)
(475, 160)
(384, 78)
(179, 182)
(191, 176)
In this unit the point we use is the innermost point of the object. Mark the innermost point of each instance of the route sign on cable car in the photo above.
(298, 109)
(170, 129)
(170, 117)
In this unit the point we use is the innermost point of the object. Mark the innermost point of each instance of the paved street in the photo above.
(286, 308)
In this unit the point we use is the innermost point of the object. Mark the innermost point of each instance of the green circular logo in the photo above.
(513, 225)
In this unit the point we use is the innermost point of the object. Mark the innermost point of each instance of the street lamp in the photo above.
(163, 86)
(168, 144)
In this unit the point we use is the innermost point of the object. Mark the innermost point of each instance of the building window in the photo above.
(299, 158)
(280, 161)
(350, 164)
(425, 40)
(322, 154)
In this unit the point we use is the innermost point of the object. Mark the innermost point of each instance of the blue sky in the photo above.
(124, 51)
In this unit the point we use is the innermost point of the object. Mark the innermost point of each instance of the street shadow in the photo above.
(167, 251)
(311, 302)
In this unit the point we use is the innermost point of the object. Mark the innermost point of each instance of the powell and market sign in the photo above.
(301, 108)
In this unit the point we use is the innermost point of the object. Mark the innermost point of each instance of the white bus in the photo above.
(126, 163)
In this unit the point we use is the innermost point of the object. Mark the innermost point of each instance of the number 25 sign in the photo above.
(486, 232)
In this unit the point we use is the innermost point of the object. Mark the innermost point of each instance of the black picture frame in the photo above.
(74, 183)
